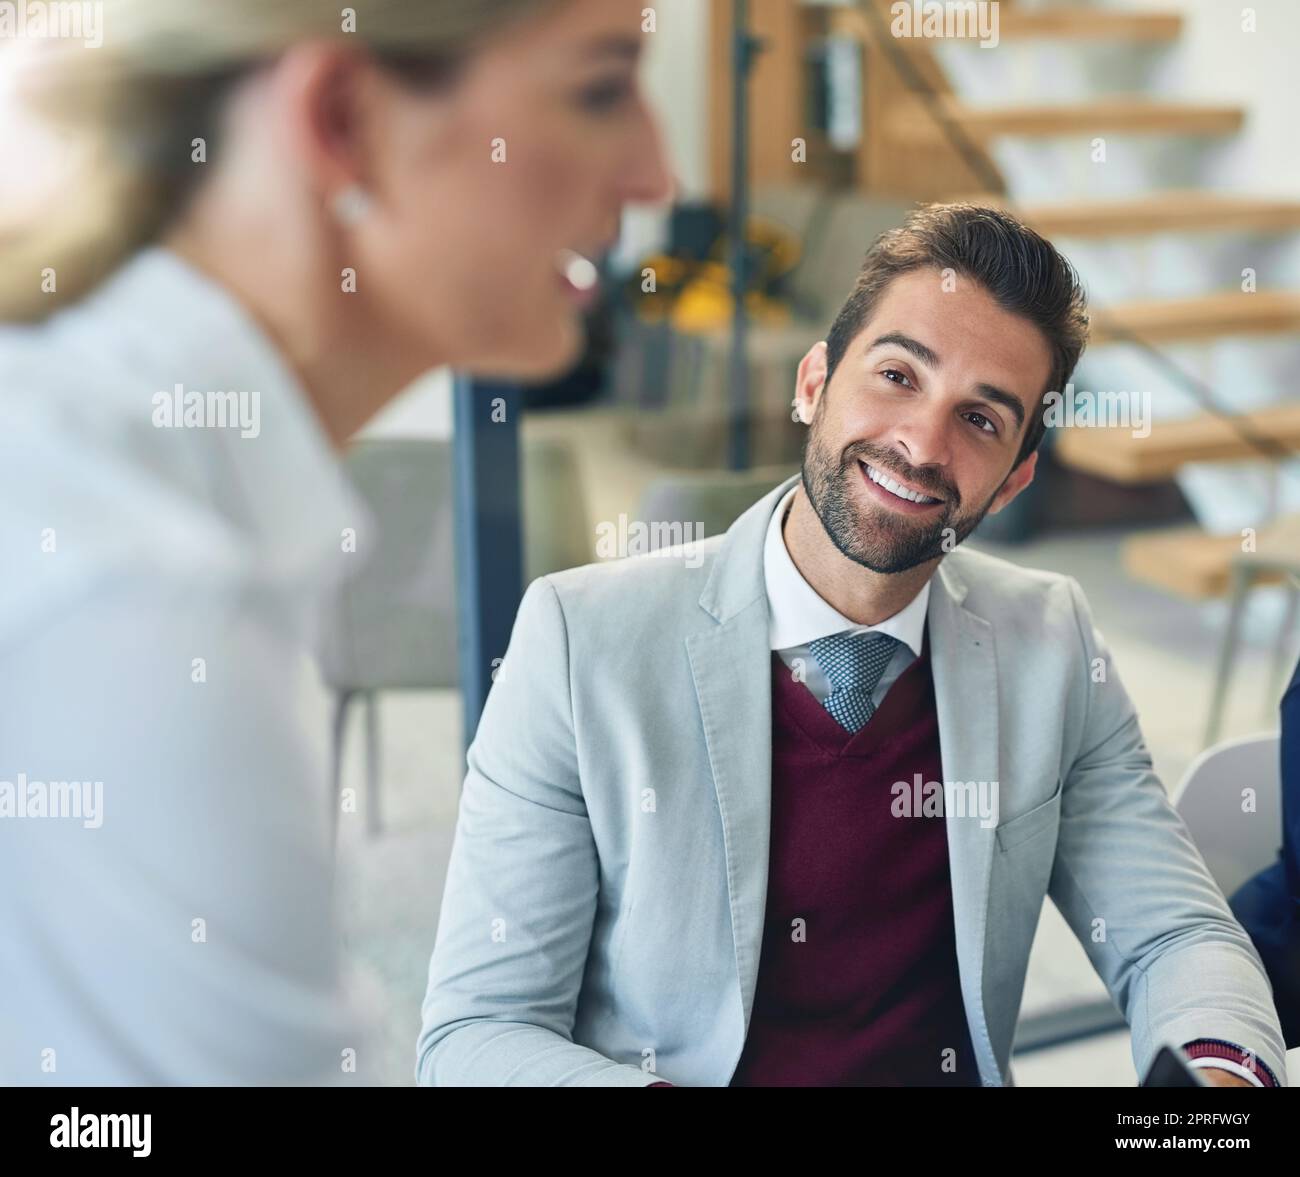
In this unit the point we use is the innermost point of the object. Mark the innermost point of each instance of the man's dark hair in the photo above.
(1023, 272)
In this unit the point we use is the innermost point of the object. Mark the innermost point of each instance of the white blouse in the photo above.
(171, 516)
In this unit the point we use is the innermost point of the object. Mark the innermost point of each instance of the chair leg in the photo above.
(374, 823)
(341, 705)
(1241, 582)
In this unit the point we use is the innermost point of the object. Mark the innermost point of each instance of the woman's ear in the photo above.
(329, 96)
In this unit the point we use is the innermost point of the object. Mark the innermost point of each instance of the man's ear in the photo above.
(810, 382)
(1017, 480)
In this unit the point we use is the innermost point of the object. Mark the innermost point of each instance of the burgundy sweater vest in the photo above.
(857, 981)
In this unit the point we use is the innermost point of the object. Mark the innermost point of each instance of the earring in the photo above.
(352, 204)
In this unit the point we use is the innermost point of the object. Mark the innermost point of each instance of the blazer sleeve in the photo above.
(522, 883)
(1131, 883)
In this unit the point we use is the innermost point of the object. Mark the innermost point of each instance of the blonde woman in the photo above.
(261, 223)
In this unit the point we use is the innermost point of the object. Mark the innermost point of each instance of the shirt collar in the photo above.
(797, 615)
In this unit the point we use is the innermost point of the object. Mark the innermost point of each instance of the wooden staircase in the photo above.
(1186, 561)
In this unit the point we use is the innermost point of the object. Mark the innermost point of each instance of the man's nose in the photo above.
(924, 436)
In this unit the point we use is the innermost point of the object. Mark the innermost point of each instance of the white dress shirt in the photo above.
(798, 616)
(166, 917)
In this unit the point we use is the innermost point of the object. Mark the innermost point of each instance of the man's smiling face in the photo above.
(914, 439)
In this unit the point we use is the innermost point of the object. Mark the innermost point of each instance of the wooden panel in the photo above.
(777, 99)
(885, 166)
(881, 166)
(888, 165)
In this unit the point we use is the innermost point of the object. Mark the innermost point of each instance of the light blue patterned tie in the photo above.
(854, 664)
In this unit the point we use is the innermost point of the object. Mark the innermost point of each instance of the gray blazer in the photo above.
(604, 904)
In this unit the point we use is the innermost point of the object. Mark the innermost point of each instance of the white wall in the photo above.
(676, 80)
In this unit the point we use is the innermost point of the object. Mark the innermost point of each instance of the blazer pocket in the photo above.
(1043, 816)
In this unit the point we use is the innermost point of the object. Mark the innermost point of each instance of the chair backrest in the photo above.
(790, 205)
(838, 237)
(557, 530)
(1235, 843)
(393, 624)
(714, 499)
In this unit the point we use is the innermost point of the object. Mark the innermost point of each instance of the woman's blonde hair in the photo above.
(135, 104)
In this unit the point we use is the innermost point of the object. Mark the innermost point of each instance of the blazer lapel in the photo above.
(731, 666)
(964, 666)
(733, 683)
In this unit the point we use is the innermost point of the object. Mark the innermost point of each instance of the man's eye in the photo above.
(889, 373)
(979, 417)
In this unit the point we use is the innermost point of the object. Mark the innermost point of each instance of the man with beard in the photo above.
(689, 850)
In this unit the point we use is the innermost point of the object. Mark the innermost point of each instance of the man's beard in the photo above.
(873, 536)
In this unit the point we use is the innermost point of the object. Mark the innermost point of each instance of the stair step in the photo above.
(1115, 454)
(1180, 320)
(1177, 211)
(1114, 116)
(1088, 24)
(1190, 563)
